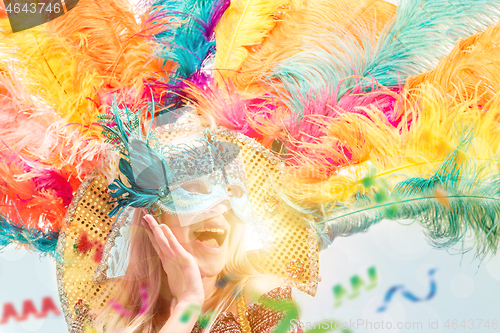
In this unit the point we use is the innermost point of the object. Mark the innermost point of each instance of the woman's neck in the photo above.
(219, 299)
(209, 285)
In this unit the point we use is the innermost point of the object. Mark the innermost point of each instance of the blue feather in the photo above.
(189, 40)
(44, 242)
(144, 168)
(130, 194)
(149, 168)
(422, 32)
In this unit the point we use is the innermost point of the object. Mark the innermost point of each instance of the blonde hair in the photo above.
(145, 269)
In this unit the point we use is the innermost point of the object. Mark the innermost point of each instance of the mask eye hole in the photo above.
(235, 191)
(196, 186)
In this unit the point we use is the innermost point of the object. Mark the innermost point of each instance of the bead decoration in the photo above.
(295, 268)
(83, 243)
(81, 310)
(163, 191)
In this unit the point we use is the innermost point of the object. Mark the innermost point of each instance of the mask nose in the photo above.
(221, 208)
(218, 210)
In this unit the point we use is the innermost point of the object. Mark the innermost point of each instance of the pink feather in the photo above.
(307, 132)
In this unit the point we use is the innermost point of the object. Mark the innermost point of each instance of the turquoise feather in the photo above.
(188, 41)
(43, 242)
(185, 44)
(471, 194)
(422, 32)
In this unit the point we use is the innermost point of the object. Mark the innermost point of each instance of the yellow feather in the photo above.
(245, 23)
(438, 127)
(113, 42)
(299, 28)
(472, 67)
(54, 75)
(460, 97)
(52, 71)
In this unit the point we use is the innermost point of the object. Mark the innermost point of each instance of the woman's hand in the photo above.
(184, 278)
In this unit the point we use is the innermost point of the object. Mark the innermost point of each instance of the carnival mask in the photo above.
(185, 176)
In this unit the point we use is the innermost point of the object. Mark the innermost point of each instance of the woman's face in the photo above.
(208, 238)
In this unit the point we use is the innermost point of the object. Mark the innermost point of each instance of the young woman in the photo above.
(192, 257)
(342, 111)
(185, 270)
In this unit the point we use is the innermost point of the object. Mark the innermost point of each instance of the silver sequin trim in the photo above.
(124, 219)
(311, 287)
(61, 242)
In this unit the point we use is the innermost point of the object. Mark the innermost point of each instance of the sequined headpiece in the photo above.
(156, 172)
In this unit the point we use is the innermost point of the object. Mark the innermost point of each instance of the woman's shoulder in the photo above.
(264, 305)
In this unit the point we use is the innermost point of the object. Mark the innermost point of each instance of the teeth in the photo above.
(214, 230)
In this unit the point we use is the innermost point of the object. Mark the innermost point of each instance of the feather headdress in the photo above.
(357, 101)
(346, 113)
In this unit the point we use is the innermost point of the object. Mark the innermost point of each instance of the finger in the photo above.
(154, 224)
(164, 233)
(158, 237)
(173, 242)
(151, 237)
(155, 228)
(163, 253)
(167, 232)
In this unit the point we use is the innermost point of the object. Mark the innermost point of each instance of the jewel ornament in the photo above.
(295, 268)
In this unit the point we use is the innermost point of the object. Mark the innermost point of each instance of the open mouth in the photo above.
(213, 237)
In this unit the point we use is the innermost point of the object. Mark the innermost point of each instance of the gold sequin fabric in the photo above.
(88, 214)
(261, 318)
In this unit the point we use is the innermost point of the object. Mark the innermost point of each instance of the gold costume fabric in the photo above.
(261, 318)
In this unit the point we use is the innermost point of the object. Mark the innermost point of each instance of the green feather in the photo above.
(457, 198)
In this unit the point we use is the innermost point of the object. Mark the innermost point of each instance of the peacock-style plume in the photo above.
(143, 167)
(150, 168)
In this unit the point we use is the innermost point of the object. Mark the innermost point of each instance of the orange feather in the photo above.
(299, 26)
